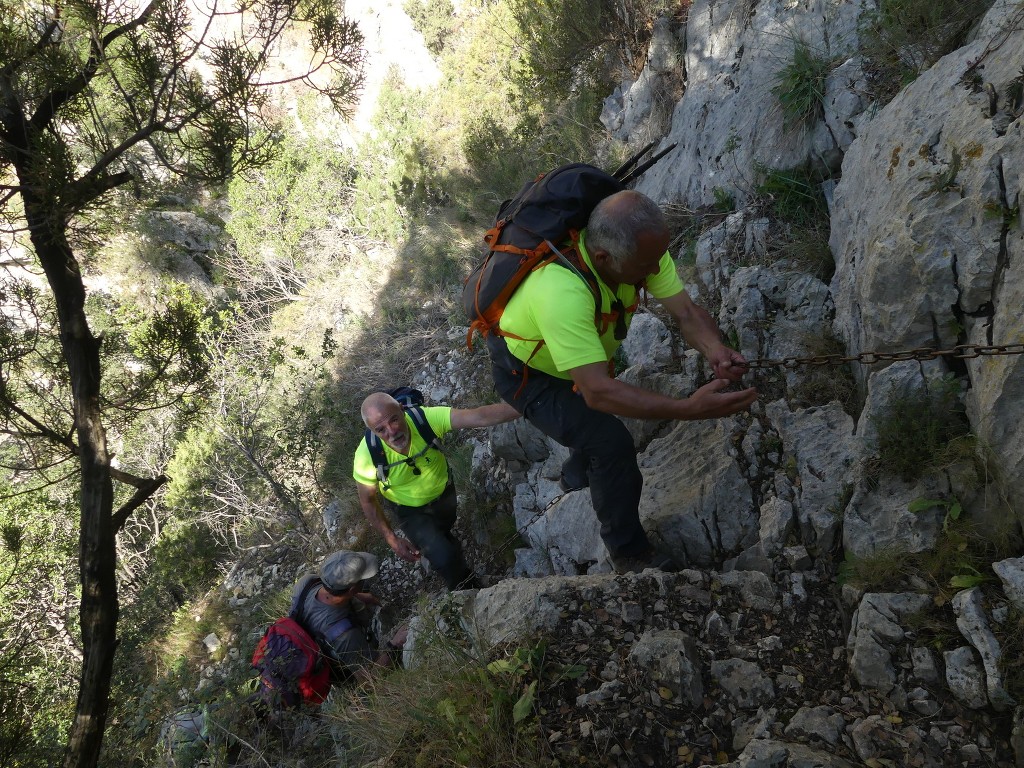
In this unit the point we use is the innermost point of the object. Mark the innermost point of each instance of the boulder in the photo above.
(695, 499)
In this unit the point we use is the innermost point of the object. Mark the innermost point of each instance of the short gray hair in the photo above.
(376, 401)
(618, 220)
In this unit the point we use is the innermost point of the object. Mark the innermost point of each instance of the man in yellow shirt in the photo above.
(417, 491)
(552, 363)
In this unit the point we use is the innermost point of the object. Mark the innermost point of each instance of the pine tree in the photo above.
(100, 95)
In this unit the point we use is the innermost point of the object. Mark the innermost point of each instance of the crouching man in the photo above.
(413, 485)
(338, 614)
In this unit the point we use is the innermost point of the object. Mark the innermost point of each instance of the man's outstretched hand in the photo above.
(405, 550)
(710, 402)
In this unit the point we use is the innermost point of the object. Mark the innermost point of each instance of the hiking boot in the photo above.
(569, 487)
(653, 558)
(572, 477)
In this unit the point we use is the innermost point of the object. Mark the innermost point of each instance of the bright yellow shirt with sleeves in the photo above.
(556, 305)
(405, 486)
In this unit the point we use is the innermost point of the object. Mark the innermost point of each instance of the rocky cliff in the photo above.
(758, 653)
(854, 589)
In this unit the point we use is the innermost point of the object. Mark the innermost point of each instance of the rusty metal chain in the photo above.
(519, 535)
(962, 351)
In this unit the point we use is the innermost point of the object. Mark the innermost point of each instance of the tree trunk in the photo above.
(97, 554)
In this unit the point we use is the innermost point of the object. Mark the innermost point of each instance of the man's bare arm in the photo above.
(702, 333)
(484, 416)
(609, 395)
(370, 502)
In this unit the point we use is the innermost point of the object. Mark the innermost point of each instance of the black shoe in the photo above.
(654, 558)
(568, 486)
(573, 476)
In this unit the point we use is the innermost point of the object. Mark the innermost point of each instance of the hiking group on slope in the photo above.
(552, 328)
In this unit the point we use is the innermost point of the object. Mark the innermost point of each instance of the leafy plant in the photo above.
(274, 208)
(960, 559)
(434, 20)
(567, 42)
(450, 710)
(527, 663)
(725, 201)
(951, 506)
(880, 570)
(1009, 216)
(800, 85)
(794, 195)
(794, 198)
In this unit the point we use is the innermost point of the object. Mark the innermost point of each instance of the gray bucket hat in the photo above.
(341, 570)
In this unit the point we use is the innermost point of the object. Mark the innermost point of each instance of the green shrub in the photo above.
(914, 431)
(903, 38)
(568, 42)
(800, 85)
(794, 195)
(725, 201)
(454, 709)
(962, 557)
(38, 576)
(434, 19)
(275, 207)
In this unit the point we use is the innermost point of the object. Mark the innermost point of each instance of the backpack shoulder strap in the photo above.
(419, 418)
(376, 449)
(574, 263)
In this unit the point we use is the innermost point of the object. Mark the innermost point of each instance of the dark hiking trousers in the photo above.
(600, 444)
(429, 528)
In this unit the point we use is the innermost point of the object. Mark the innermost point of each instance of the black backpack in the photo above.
(551, 209)
(411, 401)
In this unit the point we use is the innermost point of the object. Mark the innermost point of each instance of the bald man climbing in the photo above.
(414, 484)
(551, 362)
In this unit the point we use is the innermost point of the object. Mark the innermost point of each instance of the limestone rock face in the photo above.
(924, 253)
(639, 110)
(734, 50)
(820, 443)
(876, 632)
(670, 656)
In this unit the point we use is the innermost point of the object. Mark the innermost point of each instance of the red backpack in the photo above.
(292, 668)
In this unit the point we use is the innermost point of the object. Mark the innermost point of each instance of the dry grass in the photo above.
(822, 384)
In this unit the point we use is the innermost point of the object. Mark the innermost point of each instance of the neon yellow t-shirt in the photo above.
(554, 304)
(404, 485)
